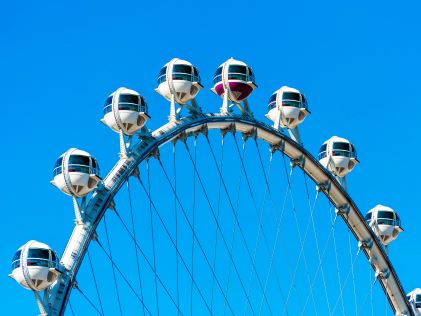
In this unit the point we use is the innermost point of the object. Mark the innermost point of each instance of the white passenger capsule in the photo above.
(338, 155)
(287, 108)
(234, 80)
(414, 299)
(125, 110)
(385, 223)
(180, 80)
(35, 266)
(76, 173)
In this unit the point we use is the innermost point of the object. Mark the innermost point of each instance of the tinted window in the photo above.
(79, 160)
(17, 255)
(323, 148)
(53, 256)
(163, 71)
(129, 98)
(272, 98)
(418, 298)
(109, 100)
(76, 168)
(182, 68)
(218, 72)
(250, 72)
(291, 96)
(368, 216)
(195, 71)
(38, 253)
(386, 214)
(58, 162)
(341, 146)
(303, 98)
(237, 69)
(94, 163)
(39, 263)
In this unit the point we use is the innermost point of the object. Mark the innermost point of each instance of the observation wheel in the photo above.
(222, 215)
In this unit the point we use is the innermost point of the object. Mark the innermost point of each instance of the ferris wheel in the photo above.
(215, 214)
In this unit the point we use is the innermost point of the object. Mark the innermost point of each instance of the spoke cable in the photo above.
(71, 308)
(345, 282)
(218, 226)
(275, 244)
(260, 229)
(176, 223)
(153, 237)
(302, 240)
(271, 253)
(172, 240)
(88, 300)
(234, 226)
(217, 214)
(193, 241)
(95, 282)
(317, 243)
(146, 258)
(135, 248)
(122, 275)
(111, 258)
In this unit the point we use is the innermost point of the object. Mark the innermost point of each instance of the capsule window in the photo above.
(163, 71)
(250, 72)
(238, 69)
(38, 262)
(272, 102)
(39, 253)
(128, 98)
(57, 167)
(182, 69)
(108, 101)
(17, 255)
(322, 151)
(341, 146)
(418, 298)
(79, 160)
(385, 218)
(95, 167)
(217, 77)
(293, 96)
(353, 150)
(59, 162)
(15, 264)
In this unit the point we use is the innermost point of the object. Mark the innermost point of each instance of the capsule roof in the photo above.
(125, 91)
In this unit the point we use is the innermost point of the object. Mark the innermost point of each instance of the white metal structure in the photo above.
(385, 222)
(103, 197)
(339, 156)
(179, 82)
(76, 173)
(35, 267)
(125, 112)
(234, 82)
(414, 298)
(287, 108)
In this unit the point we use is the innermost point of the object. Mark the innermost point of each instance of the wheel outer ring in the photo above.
(103, 196)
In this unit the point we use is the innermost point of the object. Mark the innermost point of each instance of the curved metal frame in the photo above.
(102, 199)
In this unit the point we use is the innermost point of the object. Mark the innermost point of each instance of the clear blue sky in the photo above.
(357, 62)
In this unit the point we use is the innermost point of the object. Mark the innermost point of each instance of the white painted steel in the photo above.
(102, 198)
